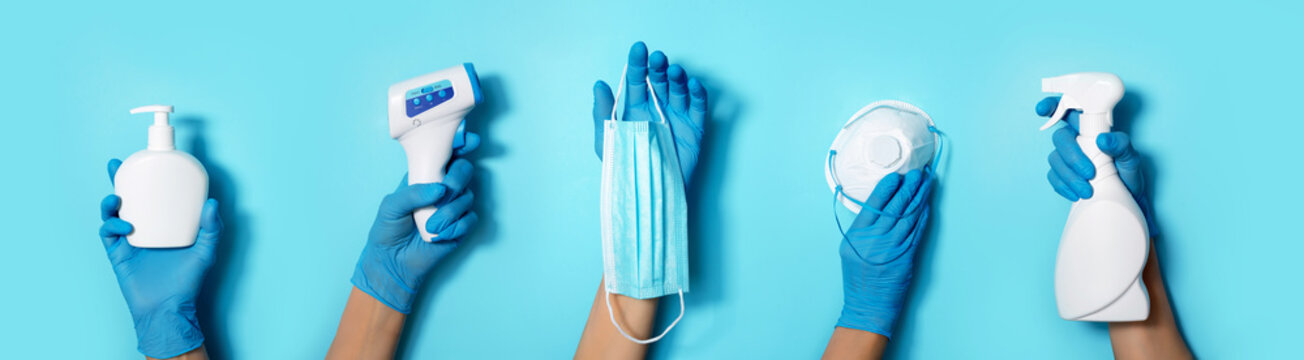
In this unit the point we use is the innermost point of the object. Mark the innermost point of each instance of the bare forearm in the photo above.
(855, 344)
(196, 354)
(1158, 336)
(601, 339)
(368, 329)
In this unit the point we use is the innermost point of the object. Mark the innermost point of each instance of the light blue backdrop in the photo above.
(285, 105)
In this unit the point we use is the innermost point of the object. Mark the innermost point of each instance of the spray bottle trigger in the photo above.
(1065, 104)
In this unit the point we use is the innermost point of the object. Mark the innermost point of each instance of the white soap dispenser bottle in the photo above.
(1105, 241)
(162, 189)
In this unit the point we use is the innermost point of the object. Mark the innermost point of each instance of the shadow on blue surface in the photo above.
(1126, 113)
(219, 287)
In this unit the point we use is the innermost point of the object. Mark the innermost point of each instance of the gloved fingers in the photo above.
(872, 238)
(409, 198)
(922, 223)
(1066, 145)
(918, 206)
(893, 238)
(459, 229)
(210, 222)
(905, 194)
(1118, 145)
(458, 177)
(109, 207)
(657, 64)
(925, 191)
(114, 164)
(1046, 107)
(112, 231)
(697, 105)
(402, 202)
(449, 213)
(1070, 177)
(470, 142)
(917, 232)
(603, 101)
(210, 231)
(1060, 186)
(877, 200)
(636, 77)
(678, 89)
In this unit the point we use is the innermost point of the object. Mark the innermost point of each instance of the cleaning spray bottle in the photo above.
(425, 115)
(162, 189)
(1105, 241)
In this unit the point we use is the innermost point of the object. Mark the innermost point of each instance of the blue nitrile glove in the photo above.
(878, 254)
(160, 285)
(1070, 169)
(395, 260)
(685, 108)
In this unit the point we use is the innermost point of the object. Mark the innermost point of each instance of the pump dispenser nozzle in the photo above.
(160, 134)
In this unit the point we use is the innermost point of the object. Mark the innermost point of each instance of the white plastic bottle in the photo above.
(1105, 241)
(162, 189)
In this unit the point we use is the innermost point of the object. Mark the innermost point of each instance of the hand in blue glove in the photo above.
(685, 107)
(878, 254)
(395, 261)
(1070, 169)
(160, 285)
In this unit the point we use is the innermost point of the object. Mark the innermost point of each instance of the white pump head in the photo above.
(424, 115)
(160, 134)
(1090, 92)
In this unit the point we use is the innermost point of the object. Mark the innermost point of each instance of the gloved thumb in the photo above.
(1118, 145)
(603, 102)
(470, 142)
(114, 164)
(210, 228)
(405, 200)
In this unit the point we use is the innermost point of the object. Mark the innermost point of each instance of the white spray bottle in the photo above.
(425, 113)
(1105, 241)
(162, 189)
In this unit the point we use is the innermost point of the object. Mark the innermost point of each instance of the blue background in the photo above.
(285, 104)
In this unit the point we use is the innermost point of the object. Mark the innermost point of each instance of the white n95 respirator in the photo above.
(883, 137)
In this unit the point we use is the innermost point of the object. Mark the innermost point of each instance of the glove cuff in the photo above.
(168, 333)
(383, 285)
(878, 321)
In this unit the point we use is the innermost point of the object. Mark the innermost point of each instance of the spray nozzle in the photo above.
(160, 135)
(1090, 92)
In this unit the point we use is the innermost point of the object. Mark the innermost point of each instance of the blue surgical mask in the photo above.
(644, 212)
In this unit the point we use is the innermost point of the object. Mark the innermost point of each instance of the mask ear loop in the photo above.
(656, 103)
(619, 87)
(937, 157)
(611, 313)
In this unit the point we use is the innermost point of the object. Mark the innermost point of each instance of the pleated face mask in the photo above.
(644, 212)
(883, 137)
